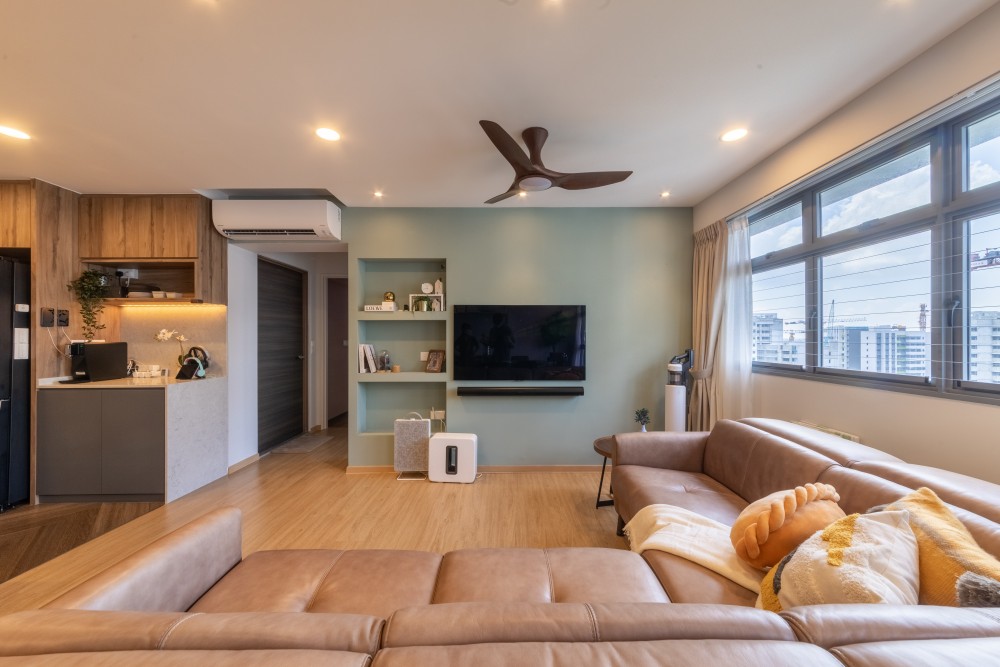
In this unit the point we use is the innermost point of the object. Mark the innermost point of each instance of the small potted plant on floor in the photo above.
(642, 416)
(90, 290)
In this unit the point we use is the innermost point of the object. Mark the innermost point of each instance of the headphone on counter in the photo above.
(195, 362)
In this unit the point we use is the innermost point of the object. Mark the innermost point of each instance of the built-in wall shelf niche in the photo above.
(382, 398)
(173, 276)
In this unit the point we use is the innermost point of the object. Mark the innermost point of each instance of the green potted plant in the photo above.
(642, 416)
(90, 291)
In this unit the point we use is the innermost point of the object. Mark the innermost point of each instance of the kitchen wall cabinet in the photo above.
(15, 214)
(169, 239)
(139, 227)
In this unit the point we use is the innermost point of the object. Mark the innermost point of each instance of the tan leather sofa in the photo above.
(190, 597)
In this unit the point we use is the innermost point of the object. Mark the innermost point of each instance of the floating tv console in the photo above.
(520, 391)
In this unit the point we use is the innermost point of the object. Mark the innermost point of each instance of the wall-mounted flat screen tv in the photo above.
(520, 343)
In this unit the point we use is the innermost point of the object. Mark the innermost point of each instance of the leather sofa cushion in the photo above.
(753, 463)
(76, 631)
(971, 652)
(638, 486)
(285, 658)
(860, 491)
(842, 624)
(685, 581)
(844, 452)
(484, 623)
(365, 581)
(578, 574)
(969, 493)
(677, 653)
(169, 574)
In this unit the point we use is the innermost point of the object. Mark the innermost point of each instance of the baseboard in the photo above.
(362, 470)
(239, 465)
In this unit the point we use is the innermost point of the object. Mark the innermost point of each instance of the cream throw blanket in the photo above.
(693, 537)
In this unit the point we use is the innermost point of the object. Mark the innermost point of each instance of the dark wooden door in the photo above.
(280, 354)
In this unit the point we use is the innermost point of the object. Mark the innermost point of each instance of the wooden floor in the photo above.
(306, 500)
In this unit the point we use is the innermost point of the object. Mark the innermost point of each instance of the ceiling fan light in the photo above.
(534, 183)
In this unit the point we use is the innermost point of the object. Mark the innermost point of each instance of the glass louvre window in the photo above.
(895, 186)
(982, 152)
(776, 231)
(982, 358)
(876, 301)
(779, 321)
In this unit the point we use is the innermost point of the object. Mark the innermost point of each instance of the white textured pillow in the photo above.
(860, 558)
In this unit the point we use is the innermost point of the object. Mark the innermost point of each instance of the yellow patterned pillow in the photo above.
(947, 549)
(860, 558)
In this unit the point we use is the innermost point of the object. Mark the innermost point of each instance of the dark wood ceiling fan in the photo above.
(529, 172)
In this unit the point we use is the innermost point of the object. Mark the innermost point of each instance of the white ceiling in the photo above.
(157, 96)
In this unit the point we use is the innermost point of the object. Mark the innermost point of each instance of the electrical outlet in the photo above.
(131, 274)
(423, 356)
(62, 318)
(48, 317)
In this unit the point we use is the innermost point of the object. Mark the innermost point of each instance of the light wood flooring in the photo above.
(306, 500)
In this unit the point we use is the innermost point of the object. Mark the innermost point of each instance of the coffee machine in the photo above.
(92, 362)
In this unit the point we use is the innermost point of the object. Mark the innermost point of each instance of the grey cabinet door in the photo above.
(134, 437)
(69, 442)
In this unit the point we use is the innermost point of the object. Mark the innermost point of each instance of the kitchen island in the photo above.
(132, 439)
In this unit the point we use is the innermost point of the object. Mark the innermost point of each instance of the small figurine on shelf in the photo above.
(384, 362)
(439, 286)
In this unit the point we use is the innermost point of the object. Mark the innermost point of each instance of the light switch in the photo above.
(22, 346)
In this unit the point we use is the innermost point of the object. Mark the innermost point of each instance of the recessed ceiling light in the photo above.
(664, 194)
(11, 132)
(328, 134)
(377, 194)
(734, 135)
(522, 193)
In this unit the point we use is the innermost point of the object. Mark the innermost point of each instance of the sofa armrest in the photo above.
(168, 575)
(662, 449)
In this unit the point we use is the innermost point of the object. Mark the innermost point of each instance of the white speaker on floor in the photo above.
(452, 457)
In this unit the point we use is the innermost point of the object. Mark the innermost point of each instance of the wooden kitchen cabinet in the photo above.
(15, 214)
(140, 227)
(169, 239)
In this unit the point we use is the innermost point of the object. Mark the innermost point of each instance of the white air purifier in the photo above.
(451, 457)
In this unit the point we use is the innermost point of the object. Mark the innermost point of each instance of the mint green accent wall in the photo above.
(630, 267)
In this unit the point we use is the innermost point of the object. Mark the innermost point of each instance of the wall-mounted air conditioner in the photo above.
(277, 219)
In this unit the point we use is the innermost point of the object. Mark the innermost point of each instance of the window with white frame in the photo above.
(886, 273)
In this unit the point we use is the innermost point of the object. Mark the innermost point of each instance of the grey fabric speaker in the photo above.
(409, 450)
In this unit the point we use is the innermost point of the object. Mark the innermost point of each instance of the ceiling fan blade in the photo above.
(507, 147)
(510, 193)
(534, 139)
(590, 179)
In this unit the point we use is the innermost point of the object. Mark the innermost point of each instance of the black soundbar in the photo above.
(520, 391)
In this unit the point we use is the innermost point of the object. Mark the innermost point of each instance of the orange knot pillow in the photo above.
(770, 528)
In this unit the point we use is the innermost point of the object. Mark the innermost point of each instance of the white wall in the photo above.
(242, 339)
(931, 431)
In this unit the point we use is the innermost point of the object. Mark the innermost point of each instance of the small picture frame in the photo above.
(435, 361)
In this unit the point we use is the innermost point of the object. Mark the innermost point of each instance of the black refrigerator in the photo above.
(15, 385)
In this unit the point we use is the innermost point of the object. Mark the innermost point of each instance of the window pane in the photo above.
(982, 152)
(983, 335)
(893, 187)
(777, 231)
(876, 307)
(779, 313)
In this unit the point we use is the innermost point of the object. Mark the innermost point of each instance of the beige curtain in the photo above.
(706, 322)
